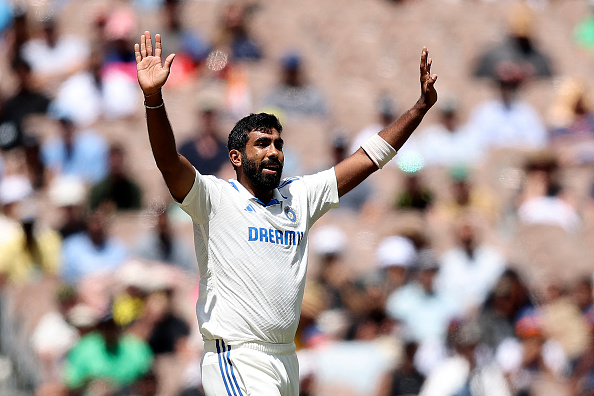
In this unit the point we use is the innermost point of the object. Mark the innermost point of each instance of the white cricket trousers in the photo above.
(255, 369)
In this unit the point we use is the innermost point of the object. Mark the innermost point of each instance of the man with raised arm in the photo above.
(250, 233)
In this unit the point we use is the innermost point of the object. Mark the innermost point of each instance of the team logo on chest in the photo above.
(291, 215)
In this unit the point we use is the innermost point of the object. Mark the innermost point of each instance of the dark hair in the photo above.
(238, 137)
(19, 63)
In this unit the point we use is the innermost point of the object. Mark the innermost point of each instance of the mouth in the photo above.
(271, 168)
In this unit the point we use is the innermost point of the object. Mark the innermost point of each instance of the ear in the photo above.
(235, 157)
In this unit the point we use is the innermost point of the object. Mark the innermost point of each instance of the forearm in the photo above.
(160, 134)
(177, 172)
(400, 130)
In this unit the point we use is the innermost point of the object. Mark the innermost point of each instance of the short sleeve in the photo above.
(200, 201)
(322, 193)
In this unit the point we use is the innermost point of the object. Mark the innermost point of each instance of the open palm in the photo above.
(152, 74)
(428, 92)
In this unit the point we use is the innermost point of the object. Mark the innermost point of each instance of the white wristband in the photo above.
(380, 151)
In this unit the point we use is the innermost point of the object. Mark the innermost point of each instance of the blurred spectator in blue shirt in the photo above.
(92, 251)
(82, 153)
(161, 244)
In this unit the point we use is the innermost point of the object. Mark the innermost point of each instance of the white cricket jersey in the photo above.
(253, 257)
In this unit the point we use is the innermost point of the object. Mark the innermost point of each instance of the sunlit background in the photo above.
(463, 268)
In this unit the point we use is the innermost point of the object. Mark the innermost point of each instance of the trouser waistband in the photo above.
(257, 346)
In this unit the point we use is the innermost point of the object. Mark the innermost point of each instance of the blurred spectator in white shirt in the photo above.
(54, 56)
(470, 269)
(508, 121)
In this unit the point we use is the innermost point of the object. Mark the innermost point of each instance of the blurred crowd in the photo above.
(464, 268)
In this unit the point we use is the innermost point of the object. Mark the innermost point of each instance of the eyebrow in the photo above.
(266, 138)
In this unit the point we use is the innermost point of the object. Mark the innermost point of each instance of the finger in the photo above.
(149, 43)
(137, 53)
(423, 59)
(168, 61)
(428, 68)
(143, 46)
(158, 45)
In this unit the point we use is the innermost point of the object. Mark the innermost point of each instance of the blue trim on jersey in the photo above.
(273, 201)
(227, 368)
(288, 181)
(232, 373)
(234, 186)
(221, 368)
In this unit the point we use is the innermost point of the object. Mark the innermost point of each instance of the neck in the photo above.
(263, 195)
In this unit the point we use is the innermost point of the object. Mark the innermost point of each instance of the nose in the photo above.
(273, 151)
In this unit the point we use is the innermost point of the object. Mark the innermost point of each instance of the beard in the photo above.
(259, 179)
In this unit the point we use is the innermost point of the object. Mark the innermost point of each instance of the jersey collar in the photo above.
(277, 197)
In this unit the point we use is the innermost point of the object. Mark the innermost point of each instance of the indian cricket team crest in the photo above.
(291, 215)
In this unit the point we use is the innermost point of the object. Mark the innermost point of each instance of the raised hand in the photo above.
(151, 73)
(428, 92)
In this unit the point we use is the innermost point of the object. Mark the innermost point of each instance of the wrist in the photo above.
(153, 99)
(422, 105)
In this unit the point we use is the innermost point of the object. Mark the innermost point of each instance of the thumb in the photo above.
(168, 61)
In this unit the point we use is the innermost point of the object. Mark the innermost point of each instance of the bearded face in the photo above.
(264, 176)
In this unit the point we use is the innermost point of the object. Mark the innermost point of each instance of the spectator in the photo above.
(386, 114)
(572, 116)
(530, 356)
(169, 332)
(395, 255)
(466, 198)
(33, 252)
(26, 101)
(34, 167)
(356, 199)
(405, 379)
(507, 302)
(92, 251)
(162, 244)
(518, 49)
(106, 357)
(464, 372)
(53, 336)
(68, 194)
(330, 243)
(416, 195)
(75, 152)
(423, 312)
(583, 294)
(205, 150)
(449, 142)
(119, 26)
(470, 269)
(572, 123)
(17, 34)
(234, 35)
(507, 121)
(292, 94)
(96, 93)
(582, 376)
(191, 48)
(13, 190)
(55, 57)
(543, 200)
(117, 190)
